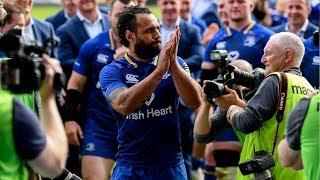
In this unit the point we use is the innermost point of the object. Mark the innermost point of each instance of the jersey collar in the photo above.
(135, 62)
(245, 30)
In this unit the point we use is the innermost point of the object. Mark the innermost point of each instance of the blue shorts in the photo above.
(122, 172)
(100, 139)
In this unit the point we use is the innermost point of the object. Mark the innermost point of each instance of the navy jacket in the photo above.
(57, 19)
(190, 48)
(73, 35)
(43, 31)
(310, 29)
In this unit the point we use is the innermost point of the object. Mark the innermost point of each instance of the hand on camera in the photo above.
(52, 66)
(204, 96)
(225, 101)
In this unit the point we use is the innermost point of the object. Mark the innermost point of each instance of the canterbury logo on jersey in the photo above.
(131, 78)
(102, 58)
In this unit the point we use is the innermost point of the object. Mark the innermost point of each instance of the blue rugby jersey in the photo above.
(150, 136)
(311, 63)
(94, 55)
(247, 44)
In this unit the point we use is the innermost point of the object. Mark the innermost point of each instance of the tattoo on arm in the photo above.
(117, 97)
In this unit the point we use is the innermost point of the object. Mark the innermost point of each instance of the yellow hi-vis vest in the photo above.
(310, 139)
(263, 139)
(12, 167)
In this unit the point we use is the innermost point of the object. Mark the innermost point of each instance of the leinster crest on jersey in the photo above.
(250, 41)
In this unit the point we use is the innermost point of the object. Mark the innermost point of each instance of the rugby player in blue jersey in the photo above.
(143, 90)
(310, 65)
(100, 143)
(242, 38)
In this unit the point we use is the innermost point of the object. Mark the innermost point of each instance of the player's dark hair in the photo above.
(128, 21)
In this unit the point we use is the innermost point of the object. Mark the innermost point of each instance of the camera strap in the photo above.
(282, 97)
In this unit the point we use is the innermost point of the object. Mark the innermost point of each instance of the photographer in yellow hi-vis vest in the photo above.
(302, 140)
(26, 140)
(264, 117)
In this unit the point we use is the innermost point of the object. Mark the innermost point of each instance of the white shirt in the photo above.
(167, 31)
(66, 15)
(29, 35)
(93, 29)
(301, 31)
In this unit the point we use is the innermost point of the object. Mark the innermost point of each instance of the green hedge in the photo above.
(43, 11)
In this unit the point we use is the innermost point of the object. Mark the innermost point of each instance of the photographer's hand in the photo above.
(204, 97)
(229, 99)
(52, 158)
(52, 66)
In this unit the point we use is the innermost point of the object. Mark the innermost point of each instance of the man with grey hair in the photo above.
(298, 23)
(264, 117)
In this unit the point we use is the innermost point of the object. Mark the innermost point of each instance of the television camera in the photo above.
(23, 70)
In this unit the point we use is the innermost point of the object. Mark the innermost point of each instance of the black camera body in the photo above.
(258, 165)
(20, 75)
(67, 175)
(229, 75)
(23, 71)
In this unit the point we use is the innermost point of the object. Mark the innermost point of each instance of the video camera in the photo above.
(229, 75)
(258, 166)
(23, 71)
(67, 175)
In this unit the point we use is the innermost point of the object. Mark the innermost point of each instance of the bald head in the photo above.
(289, 41)
(243, 65)
(283, 51)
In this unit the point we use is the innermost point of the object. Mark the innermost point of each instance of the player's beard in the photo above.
(145, 50)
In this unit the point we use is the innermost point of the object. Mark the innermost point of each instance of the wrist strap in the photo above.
(71, 107)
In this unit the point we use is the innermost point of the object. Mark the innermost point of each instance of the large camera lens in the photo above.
(213, 89)
(236, 76)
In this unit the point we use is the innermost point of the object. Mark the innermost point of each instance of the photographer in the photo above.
(14, 19)
(214, 127)
(301, 141)
(261, 119)
(42, 144)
